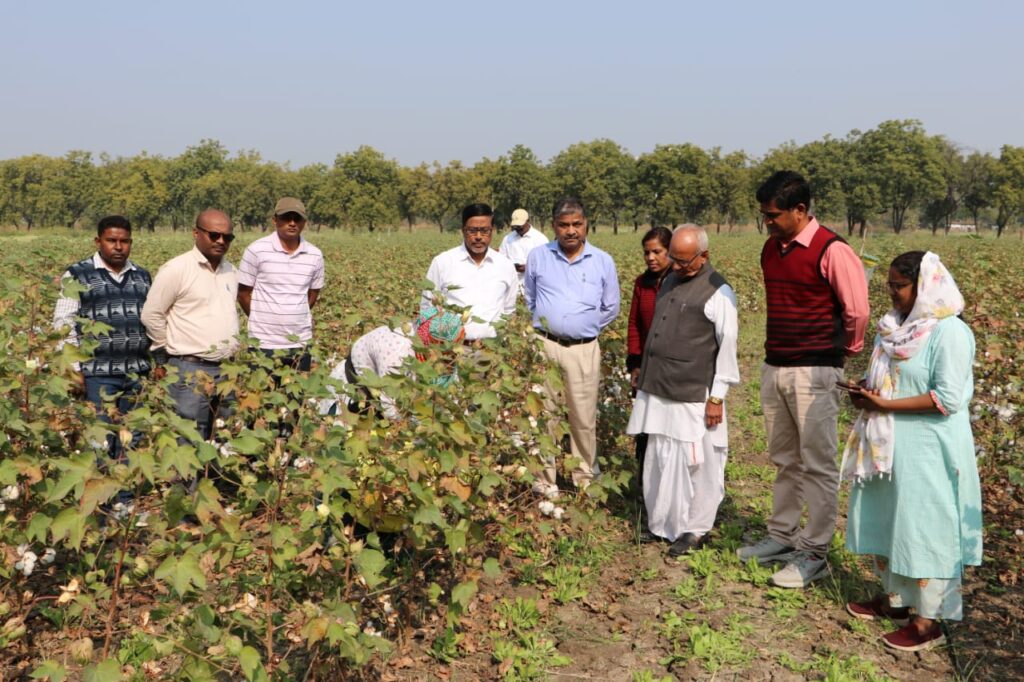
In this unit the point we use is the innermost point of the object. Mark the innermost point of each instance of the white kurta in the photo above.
(684, 465)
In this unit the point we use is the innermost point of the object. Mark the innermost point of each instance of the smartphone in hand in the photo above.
(848, 387)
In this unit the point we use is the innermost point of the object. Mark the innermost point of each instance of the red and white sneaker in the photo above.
(907, 638)
(877, 609)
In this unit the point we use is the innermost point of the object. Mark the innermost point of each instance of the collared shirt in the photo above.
(191, 307)
(572, 299)
(280, 283)
(845, 272)
(66, 310)
(516, 248)
(488, 289)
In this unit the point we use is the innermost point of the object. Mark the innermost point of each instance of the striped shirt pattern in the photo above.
(280, 282)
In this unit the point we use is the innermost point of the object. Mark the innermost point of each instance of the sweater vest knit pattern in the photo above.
(805, 323)
(125, 348)
(681, 349)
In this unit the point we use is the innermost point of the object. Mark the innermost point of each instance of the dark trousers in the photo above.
(298, 359)
(99, 390)
(192, 397)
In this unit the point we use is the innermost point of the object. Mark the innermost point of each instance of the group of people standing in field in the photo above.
(915, 505)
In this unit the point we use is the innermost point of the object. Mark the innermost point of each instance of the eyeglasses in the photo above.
(477, 231)
(217, 236)
(685, 263)
(896, 286)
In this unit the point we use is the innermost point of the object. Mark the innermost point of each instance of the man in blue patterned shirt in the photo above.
(111, 290)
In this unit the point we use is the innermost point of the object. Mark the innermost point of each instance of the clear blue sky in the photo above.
(302, 81)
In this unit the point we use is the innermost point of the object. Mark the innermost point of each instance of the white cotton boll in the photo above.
(11, 492)
(48, 556)
(27, 564)
(3, 507)
(533, 422)
(1019, 532)
(220, 423)
(302, 463)
(31, 364)
(547, 507)
(537, 388)
(22, 548)
(283, 411)
(557, 513)
(226, 451)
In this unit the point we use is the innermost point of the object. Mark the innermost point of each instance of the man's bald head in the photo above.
(213, 216)
(690, 233)
(688, 250)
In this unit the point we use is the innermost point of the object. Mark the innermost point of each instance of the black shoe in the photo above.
(646, 537)
(687, 543)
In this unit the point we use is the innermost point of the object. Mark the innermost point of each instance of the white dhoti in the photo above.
(684, 465)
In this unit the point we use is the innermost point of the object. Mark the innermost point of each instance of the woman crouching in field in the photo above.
(916, 504)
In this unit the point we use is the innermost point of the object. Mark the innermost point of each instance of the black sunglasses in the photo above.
(217, 236)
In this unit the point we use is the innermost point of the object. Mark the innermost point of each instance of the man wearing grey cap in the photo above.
(279, 281)
(518, 243)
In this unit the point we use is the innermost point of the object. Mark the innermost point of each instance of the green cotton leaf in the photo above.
(207, 501)
(8, 472)
(38, 525)
(104, 671)
(69, 524)
(534, 404)
(182, 572)
(370, 563)
(488, 400)
(492, 569)
(464, 592)
(98, 491)
(429, 514)
(75, 469)
(252, 664)
(49, 670)
(247, 445)
(488, 482)
(181, 458)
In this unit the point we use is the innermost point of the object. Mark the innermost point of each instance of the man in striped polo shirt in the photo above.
(279, 281)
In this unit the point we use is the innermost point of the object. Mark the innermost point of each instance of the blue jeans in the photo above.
(191, 400)
(126, 390)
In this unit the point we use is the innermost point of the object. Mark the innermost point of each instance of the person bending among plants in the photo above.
(916, 502)
(383, 350)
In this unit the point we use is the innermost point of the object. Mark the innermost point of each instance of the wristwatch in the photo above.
(715, 401)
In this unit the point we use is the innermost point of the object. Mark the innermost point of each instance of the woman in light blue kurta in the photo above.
(916, 501)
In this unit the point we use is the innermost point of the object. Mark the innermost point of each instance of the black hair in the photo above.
(662, 234)
(908, 264)
(567, 205)
(786, 188)
(475, 210)
(110, 221)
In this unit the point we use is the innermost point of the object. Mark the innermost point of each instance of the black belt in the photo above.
(196, 359)
(562, 341)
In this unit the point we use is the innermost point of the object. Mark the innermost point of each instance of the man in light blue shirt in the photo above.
(572, 291)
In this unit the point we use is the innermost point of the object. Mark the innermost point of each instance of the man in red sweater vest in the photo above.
(817, 301)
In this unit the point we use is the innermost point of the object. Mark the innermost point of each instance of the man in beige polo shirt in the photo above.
(191, 317)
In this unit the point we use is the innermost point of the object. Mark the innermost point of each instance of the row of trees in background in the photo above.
(894, 175)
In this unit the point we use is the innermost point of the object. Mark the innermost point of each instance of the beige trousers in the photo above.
(801, 409)
(581, 376)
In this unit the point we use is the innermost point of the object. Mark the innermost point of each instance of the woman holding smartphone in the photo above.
(916, 502)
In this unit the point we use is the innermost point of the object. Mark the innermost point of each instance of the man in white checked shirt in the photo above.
(279, 281)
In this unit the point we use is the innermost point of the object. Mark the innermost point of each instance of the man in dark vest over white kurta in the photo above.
(115, 290)
(689, 362)
(817, 305)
